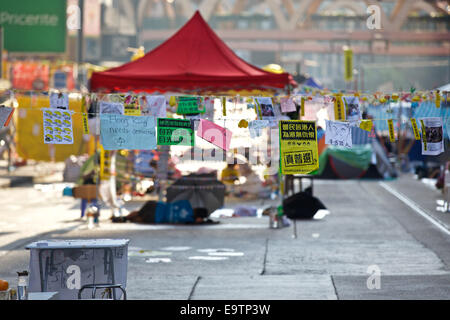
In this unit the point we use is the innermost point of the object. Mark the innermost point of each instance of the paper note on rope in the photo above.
(432, 136)
(127, 132)
(57, 125)
(288, 105)
(298, 146)
(155, 106)
(178, 132)
(215, 134)
(338, 134)
(190, 105)
(111, 107)
(59, 101)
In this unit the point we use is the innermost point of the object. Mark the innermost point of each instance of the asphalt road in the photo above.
(371, 225)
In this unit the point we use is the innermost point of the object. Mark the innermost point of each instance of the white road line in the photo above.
(415, 207)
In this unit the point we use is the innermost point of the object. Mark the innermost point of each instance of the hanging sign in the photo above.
(298, 146)
(287, 105)
(348, 65)
(178, 132)
(127, 132)
(302, 107)
(366, 125)
(438, 99)
(338, 134)
(352, 110)
(111, 107)
(190, 105)
(415, 129)
(339, 108)
(59, 101)
(391, 130)
(432, 136)
(131, 106)
(155, 106)
(85, 116)
(57, 126)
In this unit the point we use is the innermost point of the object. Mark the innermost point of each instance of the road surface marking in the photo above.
(415, 207)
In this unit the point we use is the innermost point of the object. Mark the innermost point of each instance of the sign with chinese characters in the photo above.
(298, 147)
(338, 134)
(178, 132)
(190, 105)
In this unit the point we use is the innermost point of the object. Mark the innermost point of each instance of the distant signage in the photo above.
(34, 26)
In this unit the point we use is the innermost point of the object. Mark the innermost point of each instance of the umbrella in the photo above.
(201, 190)
(302, 205)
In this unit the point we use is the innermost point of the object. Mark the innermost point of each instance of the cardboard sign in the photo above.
(214, 134)
(287, 105)
(111, 108)
(57, 126)
(127, 132)
(338, 134)
(298, 147)
(6, 114)
(175, 132)
(59, 101)
(432, 136)
(190, 105)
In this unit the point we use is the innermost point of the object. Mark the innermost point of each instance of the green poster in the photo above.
(175, 132)
(34, 26)
(190, 105)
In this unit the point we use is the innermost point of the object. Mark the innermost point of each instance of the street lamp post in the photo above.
(80, 41)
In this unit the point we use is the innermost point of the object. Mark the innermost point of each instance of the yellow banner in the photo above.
(224, 106)
(348, 65)
(438, 99)
(366, 125)
(302, 107)
(298, 147)
(339, 109)
(424, 135)
(415, 129)
(391, 130)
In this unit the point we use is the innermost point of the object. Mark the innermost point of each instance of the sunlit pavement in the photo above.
(368, 227)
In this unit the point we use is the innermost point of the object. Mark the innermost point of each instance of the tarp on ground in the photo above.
(194, 59)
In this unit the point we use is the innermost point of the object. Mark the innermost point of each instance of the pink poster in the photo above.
(214, 134)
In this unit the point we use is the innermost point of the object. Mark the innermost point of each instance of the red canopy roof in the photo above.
(194, 59)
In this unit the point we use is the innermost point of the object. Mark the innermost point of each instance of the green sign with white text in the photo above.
(34, 26)
(175, 132)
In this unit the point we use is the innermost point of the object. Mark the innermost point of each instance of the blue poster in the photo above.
(127, 132)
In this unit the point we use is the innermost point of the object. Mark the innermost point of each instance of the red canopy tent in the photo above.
(193, 60)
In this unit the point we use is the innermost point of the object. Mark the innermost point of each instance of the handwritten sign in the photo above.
(256, 126)
(215, 134)
(175, 132)
(338, 134)
(190, 105)
(111, 107)
(59, 101)
(155, 106)
(288, 105)
(298, 146)
(127, 132)
(57, 126)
